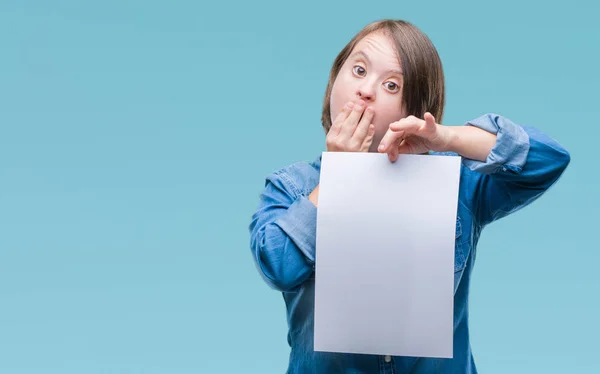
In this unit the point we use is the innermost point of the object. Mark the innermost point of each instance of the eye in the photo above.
(391, 86)
(359, 70)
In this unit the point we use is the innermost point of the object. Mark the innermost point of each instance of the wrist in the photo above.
(451, 139)
(470, 142)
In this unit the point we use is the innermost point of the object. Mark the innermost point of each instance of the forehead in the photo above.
(378, 48)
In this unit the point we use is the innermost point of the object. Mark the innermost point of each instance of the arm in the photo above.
(283, 234)
(471, 142)
(512, 165)
(283, 230)
(507, 166)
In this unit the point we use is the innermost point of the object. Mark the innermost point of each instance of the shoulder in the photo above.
(299, 178)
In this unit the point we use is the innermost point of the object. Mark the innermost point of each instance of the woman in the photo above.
(386, 94)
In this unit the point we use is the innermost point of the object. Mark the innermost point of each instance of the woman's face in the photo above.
(371, 73)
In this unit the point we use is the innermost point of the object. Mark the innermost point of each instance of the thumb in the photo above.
(429, 121)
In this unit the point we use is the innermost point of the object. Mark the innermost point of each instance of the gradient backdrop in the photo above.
(135, 137)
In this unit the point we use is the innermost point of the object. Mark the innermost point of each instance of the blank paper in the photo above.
(385, 254)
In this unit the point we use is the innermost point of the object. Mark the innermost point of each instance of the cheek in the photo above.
(385, 116)
(335, 102)
(339, 97)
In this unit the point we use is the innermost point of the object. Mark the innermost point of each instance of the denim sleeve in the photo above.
(521, 166)
(283, 234)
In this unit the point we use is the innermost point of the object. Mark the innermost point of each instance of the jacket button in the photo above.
(387, 358)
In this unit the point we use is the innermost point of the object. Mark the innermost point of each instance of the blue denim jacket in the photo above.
(522, 165)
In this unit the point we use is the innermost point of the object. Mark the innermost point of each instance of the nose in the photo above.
(366, 91)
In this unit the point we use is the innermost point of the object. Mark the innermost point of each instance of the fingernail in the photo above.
(350, 105)
(381, 147)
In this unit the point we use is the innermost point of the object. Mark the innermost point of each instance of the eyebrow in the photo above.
(364, 55)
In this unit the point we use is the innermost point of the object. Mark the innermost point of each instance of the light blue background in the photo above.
(135, 137)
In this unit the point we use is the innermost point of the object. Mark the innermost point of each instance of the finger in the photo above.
(368, 139)
(339, 120)
(409, 124)
(363, 126)
(430, 124)
(393, 151)
(404, 147)
(429, 118)
(349, 124)
(390, 139)
(406, 126)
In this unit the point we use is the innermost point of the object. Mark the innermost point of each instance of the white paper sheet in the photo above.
(385, 254)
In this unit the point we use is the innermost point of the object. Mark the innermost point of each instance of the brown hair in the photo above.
(423, 76)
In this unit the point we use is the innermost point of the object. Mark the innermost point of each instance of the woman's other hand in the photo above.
(416, 136)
